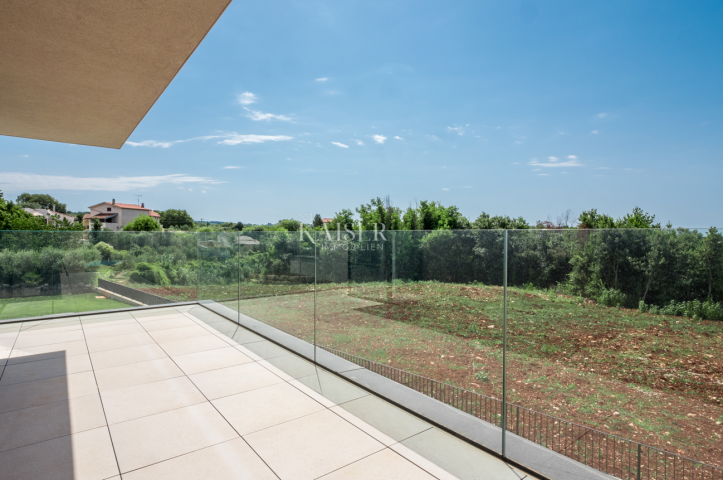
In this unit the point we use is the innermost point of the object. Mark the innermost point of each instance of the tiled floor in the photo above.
(162, 394)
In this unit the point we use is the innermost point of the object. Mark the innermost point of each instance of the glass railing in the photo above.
(602, 346)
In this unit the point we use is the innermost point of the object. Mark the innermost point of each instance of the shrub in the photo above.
(695, 309)
(613, 298)
(150, 274)
(143, 223)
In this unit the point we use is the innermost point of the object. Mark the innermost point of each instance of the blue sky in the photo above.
(519, 108)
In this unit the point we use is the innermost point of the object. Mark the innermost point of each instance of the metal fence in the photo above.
(608, 453)
(139, 296)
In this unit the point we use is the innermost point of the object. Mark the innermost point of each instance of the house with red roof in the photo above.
(114, 216)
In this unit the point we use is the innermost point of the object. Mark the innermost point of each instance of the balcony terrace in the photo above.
(184, 393)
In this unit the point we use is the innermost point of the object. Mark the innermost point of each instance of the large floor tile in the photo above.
(136, 374)
(36, 340)
(265, 407)
(113, 331)
(384, 417)
(232, 460)
(192, 345)
(55, 323)
(92, 324)
(154, 312)
(105, 317)
(55, 367)
(266, 349)
(144, 441)
(37, 424)
(126, 356)
(10, 327)
(121, 341)
(44, 352)
(457, 457)
(332, 387)
(82, 456)
(231, 380)
(43, 329)
(173, 334)
(149, 399)
(383, 465)
(184, 308)
(48, 390)
(7, 341)
(422, 462)
(293, 366)
(210, 360)
(311, 446)
(170, 322)
(243, 336)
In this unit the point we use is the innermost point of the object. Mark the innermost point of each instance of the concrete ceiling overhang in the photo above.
(87, 71)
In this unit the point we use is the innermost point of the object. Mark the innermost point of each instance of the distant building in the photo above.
(327, 220)
(47, 214)
(115, 216)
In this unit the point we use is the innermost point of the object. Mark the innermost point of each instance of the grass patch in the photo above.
(11, 308)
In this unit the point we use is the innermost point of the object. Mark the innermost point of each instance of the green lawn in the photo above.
(11, 308)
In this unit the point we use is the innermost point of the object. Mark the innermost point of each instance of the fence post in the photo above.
(640, 449)
(504, 349)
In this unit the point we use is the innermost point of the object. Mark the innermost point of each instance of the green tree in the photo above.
(345, 217)
(13, 217)
(142, 223)
(318, 222)
(289, 225)
(105, 250)
(592, 219)
(637, 219)
(486, 222)
(238, 226)
(175, 218)
(31, 200)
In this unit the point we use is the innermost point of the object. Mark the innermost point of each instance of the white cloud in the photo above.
(561, 133)
(446, 189)
(246, 98)
(543, 174)
(555, 163)
(595, 132)
(518, 142)
(602, 115)
(536, 169)
(359, 142)
(322, 79)
(379, 138)
(572, 157)
(231, 167)
(22, 181)
(398, 138)
(203, 191)
(340, 145)
(432, 137)
(151, 143)
(553, 159)
(236, 139)
(458, 130)
(230, 138)
(256, 116)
